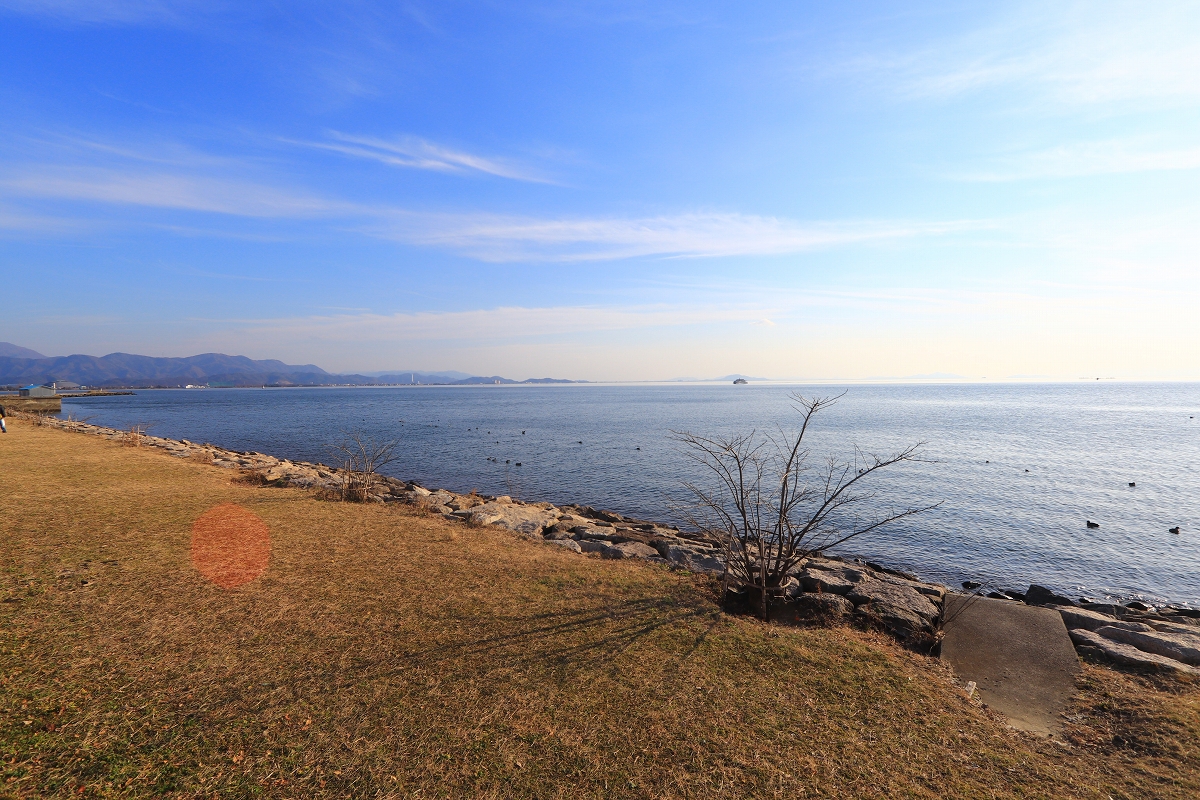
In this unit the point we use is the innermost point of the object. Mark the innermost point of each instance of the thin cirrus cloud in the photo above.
(485, 237)
(1077, 54)
(505, 238)
(1112, 157)
(413, 153)
(112, 12)
(482, 324)
(173, 191)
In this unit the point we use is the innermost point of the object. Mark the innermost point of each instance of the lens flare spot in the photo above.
(230, 545)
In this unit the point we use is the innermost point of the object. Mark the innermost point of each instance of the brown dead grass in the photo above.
(385, 653)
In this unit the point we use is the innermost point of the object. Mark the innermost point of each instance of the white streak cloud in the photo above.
(1112, 157)
(119, 12)
(500, 238)
(173, 191)
(412, 153)
(1075, 53)
(486, 237)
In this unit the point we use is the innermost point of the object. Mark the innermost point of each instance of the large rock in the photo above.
(693, 560)
(1041, 596)
(567, 544)
(1082, 618)
(895, 595)
(1180, 647)
(897, 619)
(833, 581)
(938, 593)
(463, 502)
(1092, 642)
(621, 550)
(1174, 627)
(527, 520)
(592, 532)
(822, 606)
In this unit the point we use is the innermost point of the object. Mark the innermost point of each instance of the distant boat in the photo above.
(740, 381)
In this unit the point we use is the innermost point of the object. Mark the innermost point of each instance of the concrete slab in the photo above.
(1020, 657)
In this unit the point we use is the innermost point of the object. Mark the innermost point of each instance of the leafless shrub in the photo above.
(201, 455)
(136, 433)
(770, 508)
(360, 458)
(251, 477)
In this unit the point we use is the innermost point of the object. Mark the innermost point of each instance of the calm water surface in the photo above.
(1020, 468)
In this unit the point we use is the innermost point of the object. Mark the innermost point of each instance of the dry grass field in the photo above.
(387, 654)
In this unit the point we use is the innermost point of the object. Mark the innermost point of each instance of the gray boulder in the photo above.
(822, 606)
(1180, 647)
(617, 551)
(1081, 618)
(1095, 644)
(1041, 596)
(894, 595)
(593, 532)
(693, 560)
(839, 581)
(636, 550)
(463, 502)
(938, 593)
(1174, 627)
(568, 544)
(527, 520)
(897, 619)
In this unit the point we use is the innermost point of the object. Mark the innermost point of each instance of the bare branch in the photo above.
(769, 509)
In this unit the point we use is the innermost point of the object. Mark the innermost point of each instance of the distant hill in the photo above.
(9, 350)
(426, 378)
(214, 369)
(125, 369)
(722, 379)
(406, 374)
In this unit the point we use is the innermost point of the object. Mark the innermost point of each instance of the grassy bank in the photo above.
(384, 653)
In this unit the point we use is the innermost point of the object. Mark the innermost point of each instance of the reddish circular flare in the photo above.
(230, 545)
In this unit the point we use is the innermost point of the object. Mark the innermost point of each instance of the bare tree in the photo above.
(360, 458)
(770, 508)
(137, 432)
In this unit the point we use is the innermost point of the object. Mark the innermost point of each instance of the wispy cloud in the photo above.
(483, 236)
(1111, 157)
(24, 223)
(1075, 53)
(172, 190)
(510, 322)
(506, 238)
(412, 153)
(120, 12)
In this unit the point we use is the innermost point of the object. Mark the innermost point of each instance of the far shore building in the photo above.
(66, 386)
(33, 390)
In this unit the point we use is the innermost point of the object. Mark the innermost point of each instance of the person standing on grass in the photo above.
(3, 427)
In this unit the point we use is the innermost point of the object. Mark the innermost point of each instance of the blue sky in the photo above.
(607, 190)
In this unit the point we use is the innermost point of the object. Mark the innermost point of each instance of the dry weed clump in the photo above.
(252, 477)
(136, 434)
(201, 455)
(370, 659)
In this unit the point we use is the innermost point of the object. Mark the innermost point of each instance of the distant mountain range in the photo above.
(213, 369)
(722, 379)
(8, 350)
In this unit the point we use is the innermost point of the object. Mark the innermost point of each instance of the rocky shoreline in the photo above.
(825, 587)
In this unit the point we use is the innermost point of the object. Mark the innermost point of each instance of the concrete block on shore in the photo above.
(1019, 656)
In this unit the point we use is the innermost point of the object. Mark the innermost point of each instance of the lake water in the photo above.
(1020, 468)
